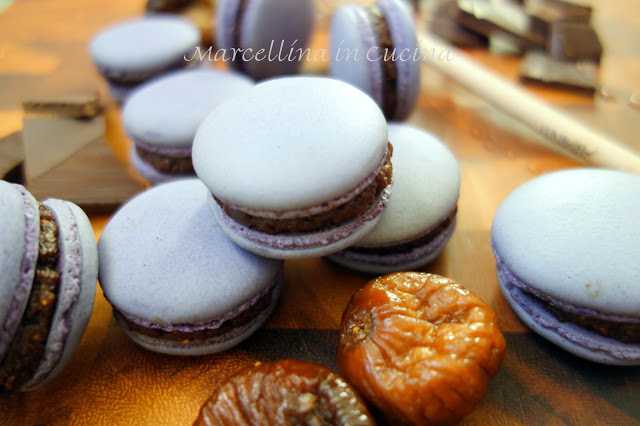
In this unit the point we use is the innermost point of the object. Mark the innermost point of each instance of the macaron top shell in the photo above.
(277, 26)
(426, 187)
(163, 259)
(574, 235)
(168, 110)
(352, 39)
(19, 229)
(140, 43)
(274, 21)
(356, 56)
(290, 143)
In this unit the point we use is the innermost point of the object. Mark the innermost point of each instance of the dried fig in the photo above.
(419, 347)
(286, 392)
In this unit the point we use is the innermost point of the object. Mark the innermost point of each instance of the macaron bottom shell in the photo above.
(570, 337)
(314, 244)
(148, 172)
(209, 346)
(394, 262)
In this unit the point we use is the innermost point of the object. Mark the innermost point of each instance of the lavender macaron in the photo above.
(264, 38)
(133, 51)
(49, 267)
(567, 246)
(162, 116)
(177, 284)
(297, 166)
(421, 215)
(375, 48)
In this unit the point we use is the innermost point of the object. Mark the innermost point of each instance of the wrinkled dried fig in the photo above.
(286, 392)
(419, 347)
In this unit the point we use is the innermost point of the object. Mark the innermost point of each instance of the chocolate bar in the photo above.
(541, 68)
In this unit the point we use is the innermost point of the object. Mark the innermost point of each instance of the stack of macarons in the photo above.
(49, 266)
(296, 167)
(131, 52)
(162, 116)
(193, 266)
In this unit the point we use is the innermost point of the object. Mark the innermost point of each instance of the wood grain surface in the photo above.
(110, 380)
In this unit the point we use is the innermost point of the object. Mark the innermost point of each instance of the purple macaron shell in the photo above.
(369, 41)
(135, 50)
(166, 265)
(264, 27)
(214, 344)
(352, 28)
(572, 338)
(226, 15)
(314, 244)
(21, 288)
(78, 269)
(403, 34)
(352, 37)
(402, 261)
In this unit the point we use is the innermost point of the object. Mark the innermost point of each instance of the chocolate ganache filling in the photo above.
(389, 69)
(189, 334)
(625, 333)
(623, 329)
(28, 344)
(409, 246)
(337, 216)
(166, 163)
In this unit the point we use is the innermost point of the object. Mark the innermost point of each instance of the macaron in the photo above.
(162, 116)
(264, 38)
(421, 215)
(567, 246)
(375, 48)
(297, 166)
(133, 51)
(176, 283)
(49, 267)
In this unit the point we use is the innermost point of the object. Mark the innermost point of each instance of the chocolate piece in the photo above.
(442, 24)
(487, 19)
(504, 44)
(543, 13)
(166, 6)
(28, 345)
(51, 139)
(339, 215)
(12, 158)
(75, 105)
(574, 41)
(538, 67)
